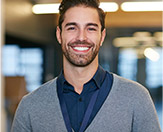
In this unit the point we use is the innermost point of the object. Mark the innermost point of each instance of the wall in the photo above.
(2, 112)
(22, 23)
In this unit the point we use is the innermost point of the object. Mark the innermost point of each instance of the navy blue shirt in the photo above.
(77, 103)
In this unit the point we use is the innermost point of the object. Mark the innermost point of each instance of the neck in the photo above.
(78, 76)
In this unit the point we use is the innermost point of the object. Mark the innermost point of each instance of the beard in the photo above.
(80, 60)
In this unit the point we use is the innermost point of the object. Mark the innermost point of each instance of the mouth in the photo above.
(81, 48)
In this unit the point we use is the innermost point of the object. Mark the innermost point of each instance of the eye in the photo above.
(71, 28)
(92, 29)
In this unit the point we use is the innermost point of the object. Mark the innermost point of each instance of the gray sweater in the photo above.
(128, 108)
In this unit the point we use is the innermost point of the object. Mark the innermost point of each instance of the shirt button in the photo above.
(80, 99)
(80, 123)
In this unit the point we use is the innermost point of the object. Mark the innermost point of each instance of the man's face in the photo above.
(81, 35)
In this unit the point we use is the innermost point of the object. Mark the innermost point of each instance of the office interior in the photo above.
(32, 56)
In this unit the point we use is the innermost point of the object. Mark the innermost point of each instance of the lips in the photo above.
(81, 48)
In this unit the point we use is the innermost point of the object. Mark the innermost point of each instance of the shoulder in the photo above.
(44, 93)
(36, 105)
(132, 93)
(44, 89)
(127, 84)
(128, 87)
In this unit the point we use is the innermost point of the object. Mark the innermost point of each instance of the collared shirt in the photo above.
(77, 103)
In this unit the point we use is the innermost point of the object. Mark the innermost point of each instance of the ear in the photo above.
(58, 34)
(103, 34)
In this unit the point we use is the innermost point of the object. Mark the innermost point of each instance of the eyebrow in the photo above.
(70, 24)
(74, 24)
(92, 24)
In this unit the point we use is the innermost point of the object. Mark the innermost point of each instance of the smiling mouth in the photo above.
(82, 49)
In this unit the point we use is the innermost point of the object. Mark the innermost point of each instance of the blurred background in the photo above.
(31, 55)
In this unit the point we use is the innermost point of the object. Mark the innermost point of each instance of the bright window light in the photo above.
(53, 8)
(45, 8)
(151, 54)
(109, 6)
(142, 6)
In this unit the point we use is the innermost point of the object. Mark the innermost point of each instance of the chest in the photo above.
(114, 116)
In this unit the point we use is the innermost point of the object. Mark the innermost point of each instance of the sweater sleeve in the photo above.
(21, 122)
(145, 116)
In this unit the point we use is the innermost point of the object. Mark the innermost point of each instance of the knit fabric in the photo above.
(128, 108)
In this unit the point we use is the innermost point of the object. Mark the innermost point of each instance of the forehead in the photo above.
(81, 15)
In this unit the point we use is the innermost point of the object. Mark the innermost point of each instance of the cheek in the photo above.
(96, 38)
(66, 38)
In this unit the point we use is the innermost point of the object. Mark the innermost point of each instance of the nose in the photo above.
(82, 35)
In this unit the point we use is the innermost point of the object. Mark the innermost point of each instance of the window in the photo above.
(154, 71)
(25, 62)
(127, 66)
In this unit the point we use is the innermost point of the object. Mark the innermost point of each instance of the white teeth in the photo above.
(81, 48)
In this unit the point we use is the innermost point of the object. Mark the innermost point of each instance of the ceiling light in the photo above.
(125, 42)
(53, 8)
(109, 6)
(151, 54)
(159, 37)
(45, 8)
(142, 6)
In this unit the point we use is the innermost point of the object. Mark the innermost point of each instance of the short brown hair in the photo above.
(67, 4)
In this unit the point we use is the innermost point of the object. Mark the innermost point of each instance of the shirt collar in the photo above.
(98, 77)
(61, 79)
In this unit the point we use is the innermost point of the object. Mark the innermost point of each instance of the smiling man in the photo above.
(84, 97)
(81, 36)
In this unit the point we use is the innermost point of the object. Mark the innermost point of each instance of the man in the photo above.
(84, 97)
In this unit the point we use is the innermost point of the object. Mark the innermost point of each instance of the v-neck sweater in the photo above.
(77, 104)
(128, 108)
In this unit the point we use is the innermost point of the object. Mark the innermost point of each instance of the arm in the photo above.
(145, 116)
(21, 122)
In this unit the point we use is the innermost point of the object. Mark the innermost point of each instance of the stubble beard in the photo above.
(80, 60)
